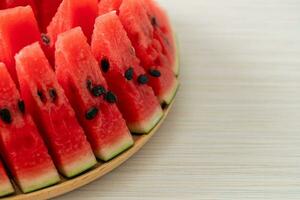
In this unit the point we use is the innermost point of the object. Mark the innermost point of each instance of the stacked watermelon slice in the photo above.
(77, 79)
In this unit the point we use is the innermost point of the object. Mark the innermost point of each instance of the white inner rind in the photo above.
(6, 189)
(81, 164)
(148, 124)
(31, 184)
(107, 153)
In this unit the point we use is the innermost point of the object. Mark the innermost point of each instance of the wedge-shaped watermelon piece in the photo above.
(73, 13)
(46, 11)
(18, 28)
(77, 71)
(21, 145)
(135, 19)
(136, 100)
(52, 111)
(6, 187)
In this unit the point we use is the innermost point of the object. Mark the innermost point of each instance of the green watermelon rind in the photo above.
(6, 189)
(80, 166)
(147, 125)
(39, 183)
(108, 154)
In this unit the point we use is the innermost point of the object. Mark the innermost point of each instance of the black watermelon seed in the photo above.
(129, 74)
(5, 116)
(45, 39)
(164, 105)
(153, 21)
(89, 85)
(110, 97)
(41, 95)
(105, 65)
(91, 113)
(21, 106)
(155, 73)
(143, 79)
(53, 94)
(99, 90)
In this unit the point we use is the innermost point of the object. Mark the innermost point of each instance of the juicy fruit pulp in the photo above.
(78, 73)
(162, 34)
(18, 28)
(73, 13)
(137, 101)
(106, 6)
(5, 184)
(15, 3)
(47, 9)
(70, 14)
(146, 38)
(21, 145)
(51, 110)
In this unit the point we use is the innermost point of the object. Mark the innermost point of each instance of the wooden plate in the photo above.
(67, 185)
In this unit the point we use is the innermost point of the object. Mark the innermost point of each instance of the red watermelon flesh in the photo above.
(15, 3)
(2, 5)
(52, 111)
(5, 185)
(134, 17)
(18, 28)
(73, 13)
(162, 32)
(20, 143)
(70, 14)
(162, 35)
(137, 101)
(78, 73)
(47, 10)
(108, 5)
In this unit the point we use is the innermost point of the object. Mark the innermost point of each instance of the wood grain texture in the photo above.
(234, 132)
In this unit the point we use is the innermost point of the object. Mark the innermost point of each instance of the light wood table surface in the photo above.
(234, 132)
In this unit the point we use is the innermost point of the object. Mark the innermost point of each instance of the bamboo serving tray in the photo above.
(68, 185)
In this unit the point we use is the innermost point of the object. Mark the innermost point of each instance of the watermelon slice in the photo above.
(52, 112)
(78, 73)
(18, 28)
(137, 101)
(47, 10)
(20, 143)
(138, 25)
(72, 13)
(5, 185)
